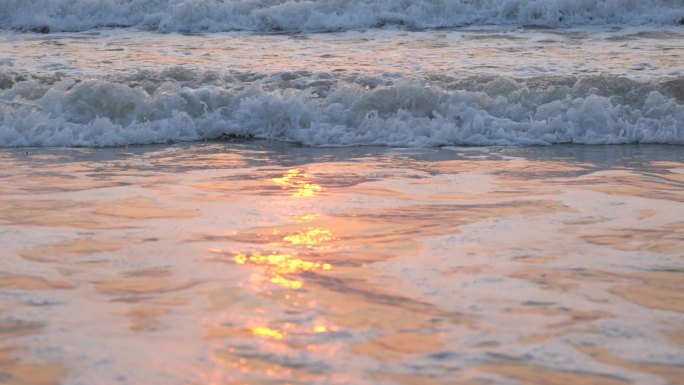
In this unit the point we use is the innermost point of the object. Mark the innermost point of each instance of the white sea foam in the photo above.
(323, 109)
(326, 15)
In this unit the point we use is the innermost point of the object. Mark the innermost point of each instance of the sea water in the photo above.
(398, 73)
(272, 263)
(341, 192)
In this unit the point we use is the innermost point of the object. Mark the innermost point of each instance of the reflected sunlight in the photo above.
(297, 180)
(305, 218)
(280, 265)
(310, 237)
(266, 332)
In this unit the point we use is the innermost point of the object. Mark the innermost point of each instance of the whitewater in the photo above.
(334, 192)
(341, 73)
(333, 15)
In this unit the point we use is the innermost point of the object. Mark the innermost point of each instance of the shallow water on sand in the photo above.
(265, 263)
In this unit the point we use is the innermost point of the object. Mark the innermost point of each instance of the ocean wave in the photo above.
(326, 109)
(327, 15)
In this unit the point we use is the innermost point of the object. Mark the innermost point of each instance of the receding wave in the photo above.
(327, 109)
(327, 15)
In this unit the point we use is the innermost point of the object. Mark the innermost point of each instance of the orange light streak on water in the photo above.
(280, 265)
(310, 238)
(266, 332)
(298, 181)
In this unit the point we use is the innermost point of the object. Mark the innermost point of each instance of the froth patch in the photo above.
(331, 15)
(345, 111)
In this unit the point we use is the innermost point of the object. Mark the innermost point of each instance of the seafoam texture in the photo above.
(320, 15)
(601, 81)
(326, 110)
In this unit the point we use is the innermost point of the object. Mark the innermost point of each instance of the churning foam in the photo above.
(326, 109)
(376, 87)
(327, 15)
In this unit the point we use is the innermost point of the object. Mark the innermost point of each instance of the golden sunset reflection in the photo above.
(306, 217)
(280, 265)
(266, 332)
(310, 238)
(260, 285)
(296, 180)
(288, 327)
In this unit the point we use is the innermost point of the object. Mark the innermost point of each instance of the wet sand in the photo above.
(268, 263)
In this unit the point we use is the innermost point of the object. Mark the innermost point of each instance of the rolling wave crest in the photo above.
(327, 15)
(326, 109)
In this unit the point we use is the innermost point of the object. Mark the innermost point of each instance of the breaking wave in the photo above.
(328, 109)
(328, 15)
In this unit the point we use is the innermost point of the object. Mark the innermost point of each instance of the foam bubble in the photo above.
(322, 109)
(327, 15)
